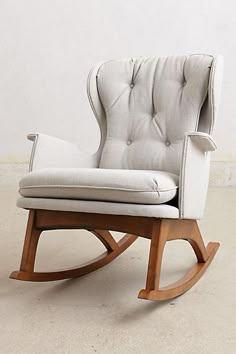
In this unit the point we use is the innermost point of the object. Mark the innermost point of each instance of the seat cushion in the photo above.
(126, 186)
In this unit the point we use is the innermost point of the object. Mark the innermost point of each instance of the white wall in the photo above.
(47, 48)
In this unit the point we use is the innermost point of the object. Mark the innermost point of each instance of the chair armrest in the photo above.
(194, 174)
(49, 151)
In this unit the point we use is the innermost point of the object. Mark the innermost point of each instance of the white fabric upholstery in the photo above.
(194, 174)
(127, 186)
(149, 104)
(152, 113)
(87, 206)
(209, 111)
(95, 103)
(49, 151)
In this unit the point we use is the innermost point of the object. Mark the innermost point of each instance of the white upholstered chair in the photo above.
(149, 177)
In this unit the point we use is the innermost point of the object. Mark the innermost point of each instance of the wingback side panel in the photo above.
(210, 108)
(149, 104)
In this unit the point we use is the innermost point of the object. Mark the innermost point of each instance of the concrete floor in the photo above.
(100, 313)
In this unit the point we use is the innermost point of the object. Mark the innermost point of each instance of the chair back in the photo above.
(145, 106)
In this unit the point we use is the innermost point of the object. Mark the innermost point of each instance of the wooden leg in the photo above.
(158, 242)
(167, 230)
(33, 232)
(30, 244)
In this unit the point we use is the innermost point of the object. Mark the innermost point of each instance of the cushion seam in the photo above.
(103, 188)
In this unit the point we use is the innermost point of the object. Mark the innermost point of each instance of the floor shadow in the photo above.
(143, 309)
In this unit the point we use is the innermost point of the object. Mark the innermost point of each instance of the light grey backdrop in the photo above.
(47, 48)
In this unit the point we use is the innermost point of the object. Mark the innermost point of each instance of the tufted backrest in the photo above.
(146, 105)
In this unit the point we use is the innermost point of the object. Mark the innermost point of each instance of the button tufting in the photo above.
(129, 142)
(153, 114)
(167, 143)
(132, 85)
(184, 83)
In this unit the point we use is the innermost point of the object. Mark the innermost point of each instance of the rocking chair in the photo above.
(149, 177)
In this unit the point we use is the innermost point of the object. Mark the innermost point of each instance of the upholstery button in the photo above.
(129, 142)
(167, 143)
(132, 85)
(153, 114)
(184, 83)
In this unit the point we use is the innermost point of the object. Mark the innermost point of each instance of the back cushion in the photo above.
(150, 103)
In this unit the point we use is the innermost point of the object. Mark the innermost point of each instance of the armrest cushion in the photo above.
(204, 141)
(194, 174)
(49, 152)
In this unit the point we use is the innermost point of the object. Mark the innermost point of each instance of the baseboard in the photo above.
(10, 174)
(223, 173)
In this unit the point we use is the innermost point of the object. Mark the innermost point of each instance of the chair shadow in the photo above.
(141, 310)
(128, 313)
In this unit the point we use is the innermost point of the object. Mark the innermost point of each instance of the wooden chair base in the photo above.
(159, 231)
(95, 264)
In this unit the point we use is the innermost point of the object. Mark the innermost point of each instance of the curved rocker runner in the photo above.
(33, 232)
